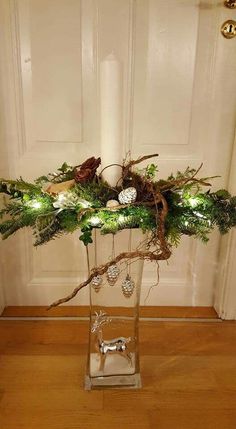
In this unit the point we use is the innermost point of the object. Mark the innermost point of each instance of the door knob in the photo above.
(228, 29)
(231, 4)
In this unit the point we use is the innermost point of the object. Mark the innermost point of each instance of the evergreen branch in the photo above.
(20, 185)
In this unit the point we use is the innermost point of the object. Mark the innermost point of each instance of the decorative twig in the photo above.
(131, 163)
(102, 269)
(108, 166)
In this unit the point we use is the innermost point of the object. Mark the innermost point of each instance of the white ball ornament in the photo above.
(127, 196)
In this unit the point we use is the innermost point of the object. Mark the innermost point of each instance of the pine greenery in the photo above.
(190, 210)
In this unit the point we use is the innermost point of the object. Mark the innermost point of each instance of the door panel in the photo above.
(176, 102)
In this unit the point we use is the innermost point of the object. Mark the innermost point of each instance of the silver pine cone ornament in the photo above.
(112, 274)
(97, 283)
(127, 196)
(127, 286)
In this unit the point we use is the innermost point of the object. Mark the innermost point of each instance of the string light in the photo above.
(35, 204)
(94, 221)
(193, 201)
(121, 218)
(200, 215)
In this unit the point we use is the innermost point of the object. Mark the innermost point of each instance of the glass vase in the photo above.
(113, 353)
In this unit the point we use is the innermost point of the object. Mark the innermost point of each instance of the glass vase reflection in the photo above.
(113, 355)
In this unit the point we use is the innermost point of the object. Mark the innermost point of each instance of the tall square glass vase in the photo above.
(113, 353)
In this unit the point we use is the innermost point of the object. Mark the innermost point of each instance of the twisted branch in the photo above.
(102, 269)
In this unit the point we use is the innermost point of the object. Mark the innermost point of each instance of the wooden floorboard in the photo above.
(83, 311)
(188, 374)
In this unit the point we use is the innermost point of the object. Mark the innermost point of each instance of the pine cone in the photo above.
(87, 170)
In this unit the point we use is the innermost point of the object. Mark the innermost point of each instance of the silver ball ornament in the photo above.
(128, 286)
(127, 196)
(113, 274)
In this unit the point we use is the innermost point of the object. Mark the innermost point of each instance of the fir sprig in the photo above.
(191, 211)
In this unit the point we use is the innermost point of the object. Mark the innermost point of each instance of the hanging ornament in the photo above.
(112, 203)
(112, 274)
(127, 286)
(113, 271)
(127, 196)
(97, 283)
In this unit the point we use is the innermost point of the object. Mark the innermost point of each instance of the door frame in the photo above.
(225, 293)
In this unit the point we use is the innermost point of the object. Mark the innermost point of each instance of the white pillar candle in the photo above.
(111, 117)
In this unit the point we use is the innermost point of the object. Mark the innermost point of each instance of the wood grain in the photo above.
(188, 374)
(83, 311)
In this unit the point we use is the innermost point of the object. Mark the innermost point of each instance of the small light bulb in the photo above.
(36, 204)
(94, 220)
(193, 202)
(121, 218)
(199, 215)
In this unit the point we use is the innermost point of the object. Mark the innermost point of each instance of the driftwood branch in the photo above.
(102, 269)
(131, 163)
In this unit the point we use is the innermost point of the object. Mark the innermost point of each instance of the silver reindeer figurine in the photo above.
(105, 347)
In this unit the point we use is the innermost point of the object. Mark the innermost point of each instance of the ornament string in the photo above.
(129, 250)
(113, 247)
(95, 248)
(88, 263)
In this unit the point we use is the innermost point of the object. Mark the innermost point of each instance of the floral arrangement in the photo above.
(77, 197)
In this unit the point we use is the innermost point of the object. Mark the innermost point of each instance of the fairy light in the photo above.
(36, 204)
(121, 218)
(94, 221)
(193, 201)
(199, 215)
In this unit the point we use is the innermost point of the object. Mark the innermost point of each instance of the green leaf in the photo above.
(86, 237)
(64, 167)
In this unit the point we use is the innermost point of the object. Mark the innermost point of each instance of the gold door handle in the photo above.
(228, 29)
(231, 4)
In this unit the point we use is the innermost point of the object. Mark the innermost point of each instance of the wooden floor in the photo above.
(188, 372)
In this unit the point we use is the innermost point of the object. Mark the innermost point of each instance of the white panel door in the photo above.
(179, 100)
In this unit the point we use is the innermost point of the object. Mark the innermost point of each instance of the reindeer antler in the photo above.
(100, 319)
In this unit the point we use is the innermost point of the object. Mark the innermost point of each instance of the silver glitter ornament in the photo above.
(127, 196)
(97, 283)
(127, 286)
(112, 274)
